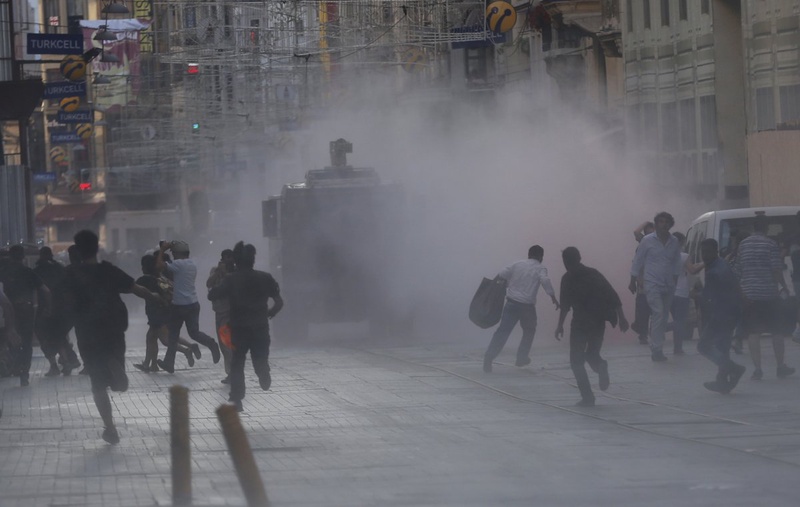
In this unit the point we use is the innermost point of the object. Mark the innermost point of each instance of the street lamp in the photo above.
(109, 57)
(101, 79)
(103, 35)
(115, 8)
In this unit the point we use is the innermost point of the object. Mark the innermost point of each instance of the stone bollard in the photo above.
(242, 456)
(181, 450)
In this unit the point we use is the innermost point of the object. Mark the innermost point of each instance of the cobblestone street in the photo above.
(417, 425)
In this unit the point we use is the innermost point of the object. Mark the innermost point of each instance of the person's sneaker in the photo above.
(169, 368)
(226, 380)
(189, 357)
(237, 404)
(658, 356)
(605, 381)
(196, 350)
(523, 362)
(784, 371)
(265, 382)
(757, 374)
(733, 377)
(215, 353)
(487, 366)
(585, 402)
(53, 371)
(715, 386)
(111, 435)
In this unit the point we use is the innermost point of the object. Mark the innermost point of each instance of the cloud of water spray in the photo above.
(487, 180)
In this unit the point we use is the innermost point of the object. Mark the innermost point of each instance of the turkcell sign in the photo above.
(54, 44)
(63, 89)
(64, 138)
(83, 116)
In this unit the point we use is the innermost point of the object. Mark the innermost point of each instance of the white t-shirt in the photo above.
(184, 273)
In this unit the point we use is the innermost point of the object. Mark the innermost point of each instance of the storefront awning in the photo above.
(70, 212)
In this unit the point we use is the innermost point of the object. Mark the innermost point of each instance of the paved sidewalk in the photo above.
(418, 425)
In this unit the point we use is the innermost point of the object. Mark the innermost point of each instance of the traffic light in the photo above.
(195, 128)
(86, 180)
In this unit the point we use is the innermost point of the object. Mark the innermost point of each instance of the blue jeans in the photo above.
(178, 316)
(715, 339)
(659, 299)
(514, 312)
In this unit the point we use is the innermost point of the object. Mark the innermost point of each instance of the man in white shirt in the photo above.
(656, 266)
(185, 307)
(523, 279)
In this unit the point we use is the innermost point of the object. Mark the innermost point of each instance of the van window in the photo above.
(696, 235)
(779, 228)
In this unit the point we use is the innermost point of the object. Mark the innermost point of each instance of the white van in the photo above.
(726, 225)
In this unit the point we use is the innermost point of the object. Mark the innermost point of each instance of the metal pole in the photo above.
(181, 450)
(242, 455)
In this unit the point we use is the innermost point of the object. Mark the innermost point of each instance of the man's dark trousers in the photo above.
(24, 315)
(178, 316)
(715, 341)
(256, 341)
(514, 312)
(585, 341)
(641, 320)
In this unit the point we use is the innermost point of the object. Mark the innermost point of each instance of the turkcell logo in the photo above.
(83, 116)
(63, 89)
(54, 44)
(65, 138)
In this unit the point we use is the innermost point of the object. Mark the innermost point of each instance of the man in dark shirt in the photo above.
(721, 305)
(249, 292)
(53, 329)
(92, 291)
(22, 286)
(593, 301)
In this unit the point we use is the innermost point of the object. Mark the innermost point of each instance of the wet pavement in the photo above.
(419, 424)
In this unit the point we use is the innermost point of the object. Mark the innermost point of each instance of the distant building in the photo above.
(712, 96)
(772, 59)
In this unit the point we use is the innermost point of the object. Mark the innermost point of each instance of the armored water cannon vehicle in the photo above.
(334, 240)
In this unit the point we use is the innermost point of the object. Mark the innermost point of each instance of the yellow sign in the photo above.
(501, 17)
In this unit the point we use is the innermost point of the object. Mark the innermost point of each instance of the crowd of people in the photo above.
(744, 295)
(48, 301)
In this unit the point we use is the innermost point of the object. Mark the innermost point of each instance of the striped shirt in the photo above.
(757, 260)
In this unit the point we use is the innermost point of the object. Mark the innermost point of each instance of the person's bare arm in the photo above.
(143, 293)
(160, 264)
(276, 307)
(638, 233)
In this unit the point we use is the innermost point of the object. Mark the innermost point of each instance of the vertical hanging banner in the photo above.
(143, 11)
(124, 74)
